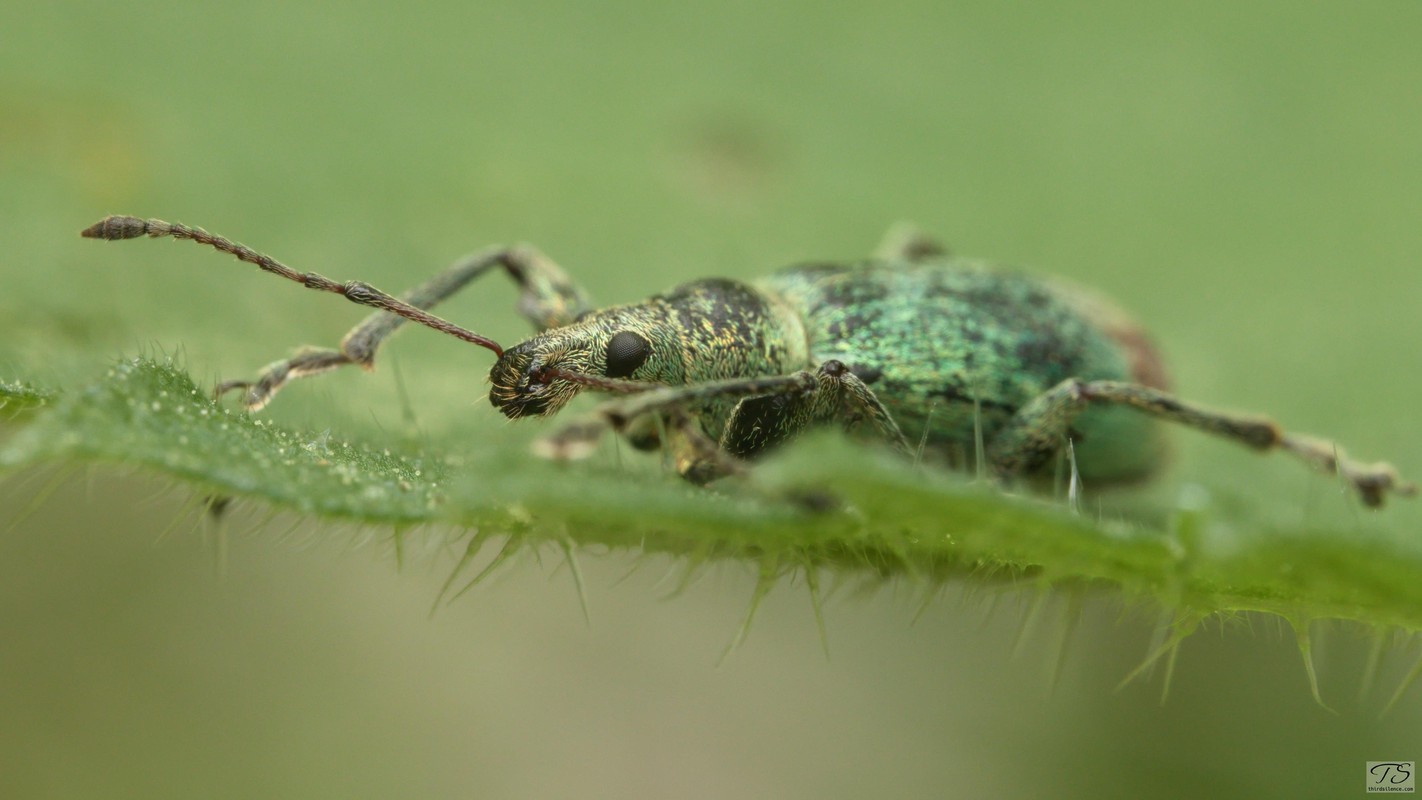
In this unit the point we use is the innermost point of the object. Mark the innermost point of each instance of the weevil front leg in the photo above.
(772, 410)
(760, 423)
(631, 414)
(549, 298)
(1039, 427)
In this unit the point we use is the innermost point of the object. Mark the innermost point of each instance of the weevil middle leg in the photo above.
(1036, 432)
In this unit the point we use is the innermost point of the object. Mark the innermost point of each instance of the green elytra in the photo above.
(912, 345)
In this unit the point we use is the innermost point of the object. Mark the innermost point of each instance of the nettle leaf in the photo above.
(18, 397)
(823, 504)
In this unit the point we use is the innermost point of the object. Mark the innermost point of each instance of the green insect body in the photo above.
(948, 351)
(960, 347)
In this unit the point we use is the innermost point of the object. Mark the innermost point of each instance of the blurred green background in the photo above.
(1246, 177)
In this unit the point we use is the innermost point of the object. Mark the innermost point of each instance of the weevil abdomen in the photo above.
(949, 345)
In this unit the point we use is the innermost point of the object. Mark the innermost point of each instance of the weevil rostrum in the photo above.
(911, 341)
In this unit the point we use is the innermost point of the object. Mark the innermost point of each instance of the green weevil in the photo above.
(959, 353)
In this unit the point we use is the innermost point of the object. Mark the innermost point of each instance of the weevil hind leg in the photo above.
(549, 298)
(1036, 432)
(905, 241)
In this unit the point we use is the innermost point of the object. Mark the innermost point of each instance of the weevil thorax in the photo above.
(701, 331)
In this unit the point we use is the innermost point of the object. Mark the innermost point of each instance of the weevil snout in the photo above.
(524, 384)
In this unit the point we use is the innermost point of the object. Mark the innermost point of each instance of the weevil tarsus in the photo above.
(307, 361)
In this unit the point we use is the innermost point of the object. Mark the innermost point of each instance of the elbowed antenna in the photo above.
(114, 228)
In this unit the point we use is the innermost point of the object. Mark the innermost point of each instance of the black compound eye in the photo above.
(625, 353)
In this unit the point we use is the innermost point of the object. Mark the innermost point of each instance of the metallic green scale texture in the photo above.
(929, 339)
(952, 344)
(728, 330)
(910, 347)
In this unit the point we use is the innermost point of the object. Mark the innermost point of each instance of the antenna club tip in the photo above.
(117, 227)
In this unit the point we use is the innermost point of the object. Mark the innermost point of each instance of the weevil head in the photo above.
(626, 343)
